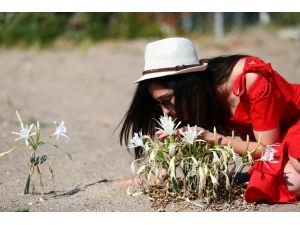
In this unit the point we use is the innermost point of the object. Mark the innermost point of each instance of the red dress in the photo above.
(270, 102)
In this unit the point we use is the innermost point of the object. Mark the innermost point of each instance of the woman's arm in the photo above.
(263, 100)
(240, 146)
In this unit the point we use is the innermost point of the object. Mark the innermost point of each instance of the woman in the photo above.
(236, 92)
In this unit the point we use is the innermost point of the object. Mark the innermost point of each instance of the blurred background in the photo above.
(80, 68)
(45, 29)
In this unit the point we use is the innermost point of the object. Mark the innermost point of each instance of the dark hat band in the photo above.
(166, 69)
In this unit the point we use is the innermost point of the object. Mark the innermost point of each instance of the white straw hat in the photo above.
(170, 56)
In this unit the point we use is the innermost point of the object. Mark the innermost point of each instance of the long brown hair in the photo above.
(195, 93)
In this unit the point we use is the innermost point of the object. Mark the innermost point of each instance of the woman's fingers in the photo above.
(160, 134)
(183, 129)
(163, 135)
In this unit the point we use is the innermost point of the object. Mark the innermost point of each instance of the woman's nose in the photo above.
(166, 111)
(169, 112)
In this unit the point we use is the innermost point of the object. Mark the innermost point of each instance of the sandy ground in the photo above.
(90, 90)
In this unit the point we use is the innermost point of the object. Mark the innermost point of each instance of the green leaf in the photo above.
(175, 185)
(41, 159)
(27, 185)
(32, 158)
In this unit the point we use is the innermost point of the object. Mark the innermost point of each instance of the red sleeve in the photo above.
(266, 105)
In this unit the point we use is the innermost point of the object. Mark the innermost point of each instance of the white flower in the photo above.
(268, 154)
(60, 130)
(167, 124)
(24, 131)
(190, 134)
(137, 140)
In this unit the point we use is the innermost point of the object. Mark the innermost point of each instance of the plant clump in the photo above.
(30, 135)
(184, 167)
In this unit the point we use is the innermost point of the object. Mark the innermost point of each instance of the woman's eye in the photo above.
(165, 102)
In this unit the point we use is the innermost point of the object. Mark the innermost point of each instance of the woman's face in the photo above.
(165, 98)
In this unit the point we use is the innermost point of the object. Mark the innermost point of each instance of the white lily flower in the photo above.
(137, 140)
(268, 154)
(24, 131)
(60, 130)
(191, 134)
(167, 124)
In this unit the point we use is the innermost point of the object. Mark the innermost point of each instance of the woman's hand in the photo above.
(206, 135)
(212, 138)
(161, 134)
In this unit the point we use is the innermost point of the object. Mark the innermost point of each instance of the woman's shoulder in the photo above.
(239, 66)
(238, 73)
